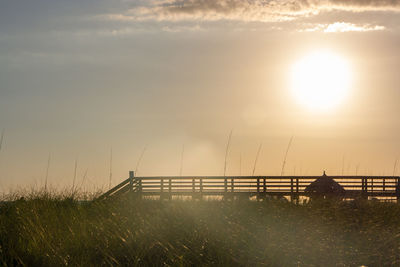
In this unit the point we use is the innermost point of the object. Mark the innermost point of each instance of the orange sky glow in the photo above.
(147, 78)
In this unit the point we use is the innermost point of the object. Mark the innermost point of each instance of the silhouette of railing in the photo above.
(259, 186)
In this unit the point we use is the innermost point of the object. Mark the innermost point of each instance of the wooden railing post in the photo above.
(201, 186)
(131, 177)
(384, 184)
(398, 190)
(291, 190)
(162, 195)
(233, 185)
(194, 185)
(264, 186)
(170, 188)
(372, 185)
(225, 185)
(362, 185)
(291, 186)
(364, 190)
(139, 186)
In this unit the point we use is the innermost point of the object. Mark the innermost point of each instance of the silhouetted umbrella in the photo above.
(325, 186)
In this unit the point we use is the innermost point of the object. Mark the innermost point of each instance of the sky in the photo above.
(157, 87)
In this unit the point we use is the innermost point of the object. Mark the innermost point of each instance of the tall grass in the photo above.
(285, 157)
(45, 229)
(227, 151)
(2, 139)
(47, 172)
(181, 163)
(111, 173)
(75, 173)
(140, 160)
(256, 159)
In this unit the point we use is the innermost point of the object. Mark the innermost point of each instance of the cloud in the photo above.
(343, 27)
(246, 10)
(213, 10)
(349, 27)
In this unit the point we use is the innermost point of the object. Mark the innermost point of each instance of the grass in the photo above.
(49, 230)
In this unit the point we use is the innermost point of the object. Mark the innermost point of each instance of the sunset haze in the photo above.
(157, 86)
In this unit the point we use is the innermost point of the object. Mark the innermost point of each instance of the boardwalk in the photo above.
(381, 187)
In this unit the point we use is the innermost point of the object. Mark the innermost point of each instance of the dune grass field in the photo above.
(51, 230)
(200, 133)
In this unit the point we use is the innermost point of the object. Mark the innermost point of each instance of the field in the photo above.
(45, 230)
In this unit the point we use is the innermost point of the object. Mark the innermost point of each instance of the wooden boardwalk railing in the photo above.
(259, 186)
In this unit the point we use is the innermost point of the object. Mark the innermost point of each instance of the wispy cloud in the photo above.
(349, 27)
(209, 10)
(343, 27)
(250, 10)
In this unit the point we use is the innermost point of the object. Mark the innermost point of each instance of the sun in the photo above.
(320, 80)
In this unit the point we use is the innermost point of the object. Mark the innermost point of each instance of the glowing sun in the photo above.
(320, 80)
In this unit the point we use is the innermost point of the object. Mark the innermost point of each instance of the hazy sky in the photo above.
(79, 78)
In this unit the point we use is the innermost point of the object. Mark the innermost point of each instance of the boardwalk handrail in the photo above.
(264, 176)
(294, 186)
(119, 186)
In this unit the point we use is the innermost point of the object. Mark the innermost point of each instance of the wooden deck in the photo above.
(381, 187)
